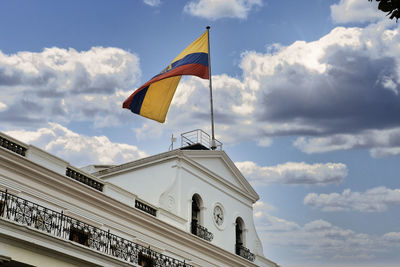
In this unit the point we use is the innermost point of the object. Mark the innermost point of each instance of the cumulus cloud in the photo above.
(293, 173)
(346, 83)
(217, 9)
(64, 85)
(319, 240)
(79, 150)
(315, 88)
(373, 200)
(347, 11)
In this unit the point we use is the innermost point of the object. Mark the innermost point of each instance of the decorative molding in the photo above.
(82, 218)
(119, 194)
(166, 213)
(40, 156)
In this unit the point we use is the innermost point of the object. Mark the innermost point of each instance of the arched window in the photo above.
(239, 235)
(196, 207)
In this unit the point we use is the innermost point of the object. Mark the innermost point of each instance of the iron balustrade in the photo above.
(244, 252)
(201, 232)
(84, 179)
(22, 211)
(14, 147)
(146, 208)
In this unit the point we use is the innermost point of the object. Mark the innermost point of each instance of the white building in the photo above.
(186, 207)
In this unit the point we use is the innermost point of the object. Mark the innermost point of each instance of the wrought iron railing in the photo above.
(146, 208)
(83, 179)
(244, 253)
(201, 232)
(14, 147)
(19, 210)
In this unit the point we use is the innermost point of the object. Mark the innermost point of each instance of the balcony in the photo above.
(201, 232)
(244, 252)
(24, 212)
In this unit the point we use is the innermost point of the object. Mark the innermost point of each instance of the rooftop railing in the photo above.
(83, 179)
(24, 212)
(13, 146)
(198, 137)
(146, 208)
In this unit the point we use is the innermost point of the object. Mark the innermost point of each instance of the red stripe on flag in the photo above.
(198, 70)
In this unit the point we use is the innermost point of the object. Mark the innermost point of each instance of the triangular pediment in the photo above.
(221, 166)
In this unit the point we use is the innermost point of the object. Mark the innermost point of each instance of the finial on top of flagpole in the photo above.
(208, 27)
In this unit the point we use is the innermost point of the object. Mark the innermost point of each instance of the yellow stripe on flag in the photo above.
(200, 45)
(158, 98)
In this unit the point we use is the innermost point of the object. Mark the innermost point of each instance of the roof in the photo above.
(222, 169)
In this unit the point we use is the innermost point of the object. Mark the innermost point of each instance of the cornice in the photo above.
(247, 195)
(229, 163)
(138, 163)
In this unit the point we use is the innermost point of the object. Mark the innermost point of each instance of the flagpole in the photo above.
(213, 144)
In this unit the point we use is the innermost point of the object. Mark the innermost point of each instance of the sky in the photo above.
(306, 103)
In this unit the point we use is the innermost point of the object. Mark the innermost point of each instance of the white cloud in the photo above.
(152, 2)
(382, 143)
(373, 200)
(65, 85)
(319, 241)
(347, 11)
(79, 150)
(217, 9)
(293, 173)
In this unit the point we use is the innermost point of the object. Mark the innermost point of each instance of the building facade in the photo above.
(186, 207)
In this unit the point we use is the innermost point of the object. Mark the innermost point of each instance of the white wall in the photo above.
(170, 186)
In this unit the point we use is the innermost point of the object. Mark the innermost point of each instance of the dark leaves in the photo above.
(392, 7)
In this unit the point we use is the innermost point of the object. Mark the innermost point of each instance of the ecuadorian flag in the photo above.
(153, 98)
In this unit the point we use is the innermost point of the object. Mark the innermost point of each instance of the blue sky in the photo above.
(306, 97)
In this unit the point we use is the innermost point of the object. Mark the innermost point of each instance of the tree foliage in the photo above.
(392, 7)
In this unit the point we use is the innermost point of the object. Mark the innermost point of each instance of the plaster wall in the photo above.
(212, 193)
(217, 166)
(170, 186)
(147, 182)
